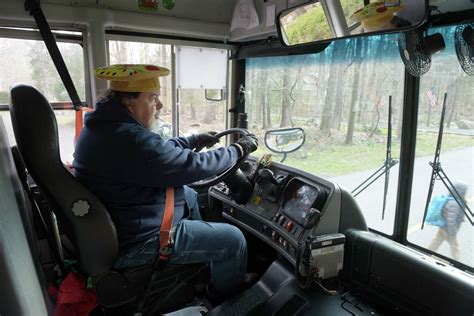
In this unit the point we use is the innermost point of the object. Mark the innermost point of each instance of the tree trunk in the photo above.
(192, 111)
(286, 102)
(454, 101)
(264, 98)
(327, 114)
(355, 89)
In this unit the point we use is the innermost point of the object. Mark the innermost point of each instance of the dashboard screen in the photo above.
(299, 199)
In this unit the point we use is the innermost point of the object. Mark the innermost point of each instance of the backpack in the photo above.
(435, 211)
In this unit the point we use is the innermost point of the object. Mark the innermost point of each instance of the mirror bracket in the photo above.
(335, 16)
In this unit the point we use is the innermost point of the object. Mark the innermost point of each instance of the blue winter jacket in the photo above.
(129, 168)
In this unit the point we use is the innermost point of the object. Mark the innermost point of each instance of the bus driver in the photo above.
(129, 168)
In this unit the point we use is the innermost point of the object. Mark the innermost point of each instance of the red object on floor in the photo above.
(52, 291)
(74, 299)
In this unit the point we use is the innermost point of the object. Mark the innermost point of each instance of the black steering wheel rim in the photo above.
(218, 178)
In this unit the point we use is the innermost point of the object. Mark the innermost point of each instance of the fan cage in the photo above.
(464, 51)
(418, 61)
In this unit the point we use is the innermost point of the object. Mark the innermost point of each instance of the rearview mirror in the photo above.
(284, 141)
(326, 20)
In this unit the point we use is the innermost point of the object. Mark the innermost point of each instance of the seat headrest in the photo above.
(85, 218)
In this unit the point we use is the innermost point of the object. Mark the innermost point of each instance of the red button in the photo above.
(289, 225)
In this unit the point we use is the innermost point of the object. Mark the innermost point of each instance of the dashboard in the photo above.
(284, 205)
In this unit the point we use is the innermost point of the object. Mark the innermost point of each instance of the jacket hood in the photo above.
(109, 110)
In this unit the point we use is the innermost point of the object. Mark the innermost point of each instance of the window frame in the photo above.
(410, 107)
(26, 33)
(408, 145)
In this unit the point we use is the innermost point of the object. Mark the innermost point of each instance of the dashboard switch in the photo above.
(274, 235)
(295, 229)
(275, 217)
(281, 220)
(289, 226)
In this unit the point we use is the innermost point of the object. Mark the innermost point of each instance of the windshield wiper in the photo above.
(438, 173)
(385, 168)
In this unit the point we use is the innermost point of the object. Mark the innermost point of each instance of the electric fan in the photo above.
(416, 50)
(464, 43)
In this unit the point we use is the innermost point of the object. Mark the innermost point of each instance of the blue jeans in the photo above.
(221, 245)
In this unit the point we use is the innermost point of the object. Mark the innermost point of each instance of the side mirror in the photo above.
(284, 141)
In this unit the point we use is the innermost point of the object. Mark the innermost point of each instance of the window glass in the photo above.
(340, 98)
(28, 61)
(197, 114)
(125, 52)
(200, 70)
(456, 239)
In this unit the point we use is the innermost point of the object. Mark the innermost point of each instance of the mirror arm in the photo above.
(336, 19)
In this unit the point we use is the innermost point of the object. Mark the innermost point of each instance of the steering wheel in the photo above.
(218, 178)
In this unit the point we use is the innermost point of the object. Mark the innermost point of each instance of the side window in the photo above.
(340, 98)
(195, 80)
(453, 235)
(28, 61)
(202, 88)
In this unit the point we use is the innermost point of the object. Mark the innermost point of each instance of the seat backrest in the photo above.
(84, 218)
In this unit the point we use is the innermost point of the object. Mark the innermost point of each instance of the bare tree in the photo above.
(355, 87)
(334, 73)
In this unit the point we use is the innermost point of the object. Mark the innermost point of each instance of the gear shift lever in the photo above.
(267, 174)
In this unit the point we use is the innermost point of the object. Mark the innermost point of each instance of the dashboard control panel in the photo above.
(284, 207)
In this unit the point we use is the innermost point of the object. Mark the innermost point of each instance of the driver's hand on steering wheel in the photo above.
(247, 144)
(206, 140)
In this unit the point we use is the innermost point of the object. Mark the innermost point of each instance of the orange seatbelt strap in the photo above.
(80, 120)
(166, 223)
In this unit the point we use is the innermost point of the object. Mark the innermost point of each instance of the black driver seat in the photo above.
(84, 219)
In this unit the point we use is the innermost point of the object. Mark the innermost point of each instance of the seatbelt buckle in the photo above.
(165, 252)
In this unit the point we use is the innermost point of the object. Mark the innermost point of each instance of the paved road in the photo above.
(457, 164)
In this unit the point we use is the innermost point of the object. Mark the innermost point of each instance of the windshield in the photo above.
(340, 98)
(348, 100)
(456, 239)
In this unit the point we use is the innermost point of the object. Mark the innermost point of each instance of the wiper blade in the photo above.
(385, 168)
(438, 173)
(388, 156)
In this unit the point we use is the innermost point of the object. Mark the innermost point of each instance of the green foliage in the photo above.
(308, 27)
(333, 158)
(45, 76)
(312, 25)
(350, 6)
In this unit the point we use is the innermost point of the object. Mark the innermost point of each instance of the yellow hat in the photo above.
(132, 78)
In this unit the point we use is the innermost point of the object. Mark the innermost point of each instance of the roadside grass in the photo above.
(333, 158)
